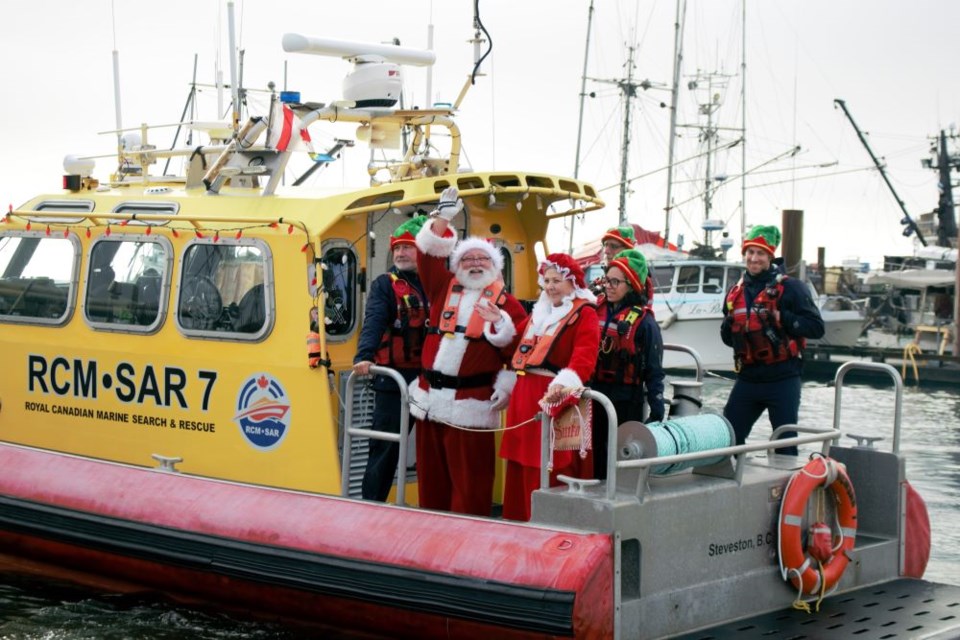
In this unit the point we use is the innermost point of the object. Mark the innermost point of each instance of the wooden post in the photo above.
(792, 251)
(956, 305)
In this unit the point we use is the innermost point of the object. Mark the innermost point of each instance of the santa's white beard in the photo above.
(475, 280)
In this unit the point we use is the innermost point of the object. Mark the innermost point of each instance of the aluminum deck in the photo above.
(901, 609)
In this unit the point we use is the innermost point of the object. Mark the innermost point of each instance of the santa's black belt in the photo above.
(436, 330)
(439, 380)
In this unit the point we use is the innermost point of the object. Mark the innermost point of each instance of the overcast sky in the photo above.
(894, 62)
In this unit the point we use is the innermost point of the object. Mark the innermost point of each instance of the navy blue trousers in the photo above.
(747, 401)
(626, 410)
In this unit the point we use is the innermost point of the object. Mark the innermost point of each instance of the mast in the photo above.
(234, 86)
(743, 113)
(674, 91)
(629, 90)
(946, 219)
(583, 95)
(116, 81)
(710, 134)
(713, 84)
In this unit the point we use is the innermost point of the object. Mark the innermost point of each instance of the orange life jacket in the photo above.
(533, 349)
(314, 356)
(757, 338)
(402, 342)
(617, 360)
(473, 330)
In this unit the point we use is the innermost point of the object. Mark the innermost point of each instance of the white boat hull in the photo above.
(841, 328)
(703, 336)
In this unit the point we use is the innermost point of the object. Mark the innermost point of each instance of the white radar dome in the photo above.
(77, 166)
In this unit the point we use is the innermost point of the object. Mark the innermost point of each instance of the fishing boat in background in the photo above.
(910, 304)
(179, 414)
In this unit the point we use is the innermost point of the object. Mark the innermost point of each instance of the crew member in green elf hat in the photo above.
(394, 327)
(630, 361)
(767, 319)
(615, 240)
(618, 239)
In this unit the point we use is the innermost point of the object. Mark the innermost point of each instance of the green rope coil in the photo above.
(690, 434)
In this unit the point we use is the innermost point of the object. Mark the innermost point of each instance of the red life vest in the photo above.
(617, 360)
(473, 330)
(757, 338)
(402, 342)
(533, 349)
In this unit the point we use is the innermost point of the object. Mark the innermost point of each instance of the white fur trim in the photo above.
(418, 400)
(472, 243)
(545, 314)
(441, 405)
(452, 347)
(505, 333)
(567, 378)
(586, 294)
(432, 244)
(505, 380)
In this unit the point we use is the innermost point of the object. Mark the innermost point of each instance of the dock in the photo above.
(925, 369)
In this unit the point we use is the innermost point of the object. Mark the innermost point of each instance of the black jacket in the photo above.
(649, 343)
(799, 316)
(379, 315)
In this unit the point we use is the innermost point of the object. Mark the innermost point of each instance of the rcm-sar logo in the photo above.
(263, 411)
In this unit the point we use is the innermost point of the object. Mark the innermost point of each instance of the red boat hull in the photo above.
(322, 560)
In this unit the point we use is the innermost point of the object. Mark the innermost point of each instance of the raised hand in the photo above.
(450, 203)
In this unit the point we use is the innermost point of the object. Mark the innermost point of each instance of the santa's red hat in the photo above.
(566, 266)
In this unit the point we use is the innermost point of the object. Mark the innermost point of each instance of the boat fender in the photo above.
(916, 536)
(668, 321)
(809, 574)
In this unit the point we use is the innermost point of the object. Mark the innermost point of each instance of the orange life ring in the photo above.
(795, 564)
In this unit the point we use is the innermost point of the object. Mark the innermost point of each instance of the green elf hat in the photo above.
(407, 232)
(766, 238)
(633, 265)
(624, 235)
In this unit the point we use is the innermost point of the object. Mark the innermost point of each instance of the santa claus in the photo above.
(458, 398)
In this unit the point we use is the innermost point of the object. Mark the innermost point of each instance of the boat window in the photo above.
(339, 268)
(128, 283)
(60, 206)
(225, 290)
(713, 279)
(733, 277)
(662, 279)
(688, 280)
(38, 277)
(593, 273)
(149, 208)
(507, 272)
